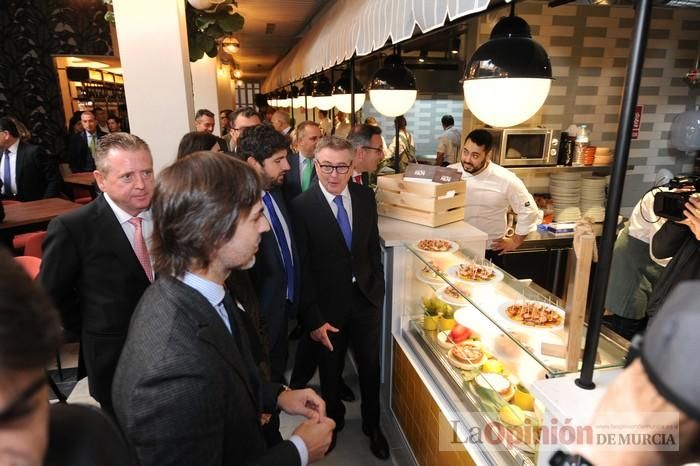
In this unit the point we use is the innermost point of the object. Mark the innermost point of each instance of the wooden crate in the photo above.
(420, 203)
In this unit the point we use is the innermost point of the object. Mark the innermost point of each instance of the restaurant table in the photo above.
(32, 216)
(81, 180)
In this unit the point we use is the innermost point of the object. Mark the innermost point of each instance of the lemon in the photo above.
(523, 399)
(493, 365)
(430, 322)
(512, 415)
(446, 324)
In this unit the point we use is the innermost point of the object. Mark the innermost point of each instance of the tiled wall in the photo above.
(423, 120)
(589, 48)
(420, 417)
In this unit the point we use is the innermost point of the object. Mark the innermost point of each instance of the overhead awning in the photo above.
(361, 27)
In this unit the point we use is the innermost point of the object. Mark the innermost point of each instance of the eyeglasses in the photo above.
(378, 149)
(328, 169)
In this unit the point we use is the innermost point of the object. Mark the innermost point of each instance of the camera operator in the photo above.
(680, 240)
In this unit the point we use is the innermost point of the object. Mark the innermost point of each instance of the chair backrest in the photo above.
(33, 245)
(30, 264)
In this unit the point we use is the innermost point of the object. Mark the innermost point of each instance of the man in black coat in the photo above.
(96, 259)
(187, 390)
(28, 173)
(82, 146)
(275, 274)
(342, 281)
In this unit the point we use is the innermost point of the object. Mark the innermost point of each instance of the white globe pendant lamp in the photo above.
(392, 90)
(342, 98)
(508, 78)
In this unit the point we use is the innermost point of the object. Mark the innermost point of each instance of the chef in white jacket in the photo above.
(491, 190)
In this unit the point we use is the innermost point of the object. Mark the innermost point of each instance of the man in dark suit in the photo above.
(275, 274)
(82, 146)
(367, 141)
(342, 281)
(301, 164)
(96, 259)
(28, 173)
(187, 390)
(204, 123)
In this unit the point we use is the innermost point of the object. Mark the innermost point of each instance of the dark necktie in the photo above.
(358, 179)
(7, 175)
(282, 243)
(344, 221)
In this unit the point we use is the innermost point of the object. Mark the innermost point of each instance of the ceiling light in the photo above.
(230, 45)
(341, 93)
(323, 98)
(455, 47)
(508, 78)
(423, 55)
(393, 88)
(237, 73)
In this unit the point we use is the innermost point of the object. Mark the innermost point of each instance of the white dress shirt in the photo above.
(129, 229)
(13, 168)
(347, 202)
(490, 194)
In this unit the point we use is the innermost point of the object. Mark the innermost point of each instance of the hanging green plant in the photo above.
(207, 26)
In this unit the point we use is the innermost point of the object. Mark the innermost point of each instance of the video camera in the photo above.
(671, 204)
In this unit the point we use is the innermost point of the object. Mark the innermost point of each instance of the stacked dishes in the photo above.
(593, 197)
(565, 189)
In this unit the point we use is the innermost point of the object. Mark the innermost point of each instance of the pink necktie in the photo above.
(140, 248)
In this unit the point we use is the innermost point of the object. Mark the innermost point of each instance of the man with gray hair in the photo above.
(367, 141)
(281, 122)
(96, 263)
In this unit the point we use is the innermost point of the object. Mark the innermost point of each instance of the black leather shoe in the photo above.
(346, 393)
(378, 444)
(332, 444)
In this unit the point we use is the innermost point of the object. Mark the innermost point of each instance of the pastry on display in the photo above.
(535, 314)
(474, 273)
(429, 273)
(497, 383)
(467, 356)
(437, 245)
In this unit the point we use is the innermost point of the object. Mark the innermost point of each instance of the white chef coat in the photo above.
(490, 194)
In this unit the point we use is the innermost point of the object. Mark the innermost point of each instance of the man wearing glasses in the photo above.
(342, 282)
(240, 119)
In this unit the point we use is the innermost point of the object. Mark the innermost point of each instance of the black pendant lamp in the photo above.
(342, 93)
(508, 78)
(323, 98)
(393, 90)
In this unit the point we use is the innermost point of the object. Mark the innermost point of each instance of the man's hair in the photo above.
(334, 143)
(8, 124)
(196, 142)
(447, 120)
(226, 111)
(370, 120)
(260, 142)
(115, 118)
(481, 137)
(401, 121)
(301, 128)
(323, 113)
(362, 135)
(203, 112)
(97, 109)
(248, 112)
(30, 328)
(123, 141)
(197, 204)
(87, 112)
(282, 115)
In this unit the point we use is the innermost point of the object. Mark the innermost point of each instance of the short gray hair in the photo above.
(334, 143)
(123, 141)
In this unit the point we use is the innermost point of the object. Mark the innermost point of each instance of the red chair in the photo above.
(33, 244)
(30, 264)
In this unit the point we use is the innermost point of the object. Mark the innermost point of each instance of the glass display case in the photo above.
(490, 336)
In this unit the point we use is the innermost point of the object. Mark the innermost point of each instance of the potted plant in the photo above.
(207, 26)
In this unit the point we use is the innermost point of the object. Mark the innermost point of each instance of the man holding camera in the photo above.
(680, 240)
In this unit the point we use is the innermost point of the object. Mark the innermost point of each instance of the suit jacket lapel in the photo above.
(321, 205)
(113, 235)
(21, 162)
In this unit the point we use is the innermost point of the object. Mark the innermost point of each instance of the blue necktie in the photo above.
(282, 242)
(7, 175)
(343, 221)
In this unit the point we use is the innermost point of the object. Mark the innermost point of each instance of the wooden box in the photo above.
(422, 203)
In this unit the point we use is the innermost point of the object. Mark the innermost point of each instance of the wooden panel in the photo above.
(431, 219)
(426, 204)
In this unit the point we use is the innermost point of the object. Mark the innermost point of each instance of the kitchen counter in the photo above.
(546, 239)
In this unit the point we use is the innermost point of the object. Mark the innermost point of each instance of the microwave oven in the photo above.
(524, 147)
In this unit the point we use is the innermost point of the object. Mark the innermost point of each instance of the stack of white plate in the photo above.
(593, 197)
(565, 189)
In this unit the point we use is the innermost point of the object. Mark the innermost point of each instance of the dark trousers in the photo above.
(361, 335)
(624, 327)
(279, 350)
(305, 361)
